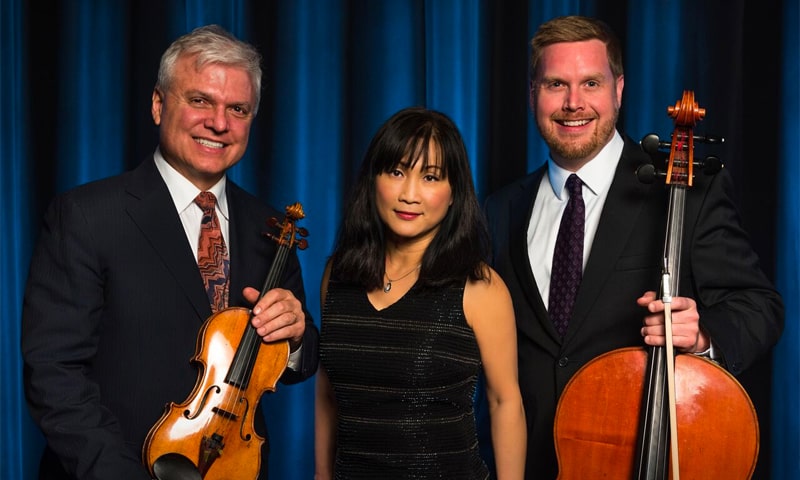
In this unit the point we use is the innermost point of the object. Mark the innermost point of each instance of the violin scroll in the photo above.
(289, 232)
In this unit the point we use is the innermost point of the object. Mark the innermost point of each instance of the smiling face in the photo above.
(413, 201)
(204, 119)
(576, 99)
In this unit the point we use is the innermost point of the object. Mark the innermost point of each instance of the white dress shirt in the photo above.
(551, 200)
(183, 193)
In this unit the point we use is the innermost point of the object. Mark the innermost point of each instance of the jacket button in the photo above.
(563, 361)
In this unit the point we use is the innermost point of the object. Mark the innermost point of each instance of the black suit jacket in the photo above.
(738, 306)
(112, 308)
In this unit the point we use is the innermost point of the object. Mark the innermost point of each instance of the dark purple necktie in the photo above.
(212, 254)
(567, 270)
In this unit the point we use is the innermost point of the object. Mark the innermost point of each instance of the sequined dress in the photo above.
(404, 379)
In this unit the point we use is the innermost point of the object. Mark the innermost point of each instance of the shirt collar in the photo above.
(183, 191)
(597, 174)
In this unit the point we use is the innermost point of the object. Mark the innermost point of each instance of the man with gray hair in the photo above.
(128, 269)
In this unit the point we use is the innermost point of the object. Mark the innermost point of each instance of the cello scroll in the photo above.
(676, 157)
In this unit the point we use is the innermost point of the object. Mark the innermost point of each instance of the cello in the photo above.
(211, 434)
(627, 412)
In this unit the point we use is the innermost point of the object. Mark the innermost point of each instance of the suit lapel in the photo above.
(520, 208)
(252, 252)
(150, 206)
(620, 214)
(238, 246)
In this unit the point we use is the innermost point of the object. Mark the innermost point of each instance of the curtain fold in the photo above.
(19, 439)
(454, 79)
(76, 85)
(299, 149)
(92, 91)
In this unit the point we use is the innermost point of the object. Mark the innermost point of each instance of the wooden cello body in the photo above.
(211, 434)
(613, 418)
(599, 416)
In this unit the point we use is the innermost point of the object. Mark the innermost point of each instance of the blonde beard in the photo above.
(574, 151)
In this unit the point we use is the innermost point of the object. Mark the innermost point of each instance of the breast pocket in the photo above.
(638, 262)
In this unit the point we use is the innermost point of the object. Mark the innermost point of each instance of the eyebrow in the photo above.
(200, 93)
(596, 76)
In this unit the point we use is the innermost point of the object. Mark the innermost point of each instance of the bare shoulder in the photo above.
(491, 284)
(486, 296)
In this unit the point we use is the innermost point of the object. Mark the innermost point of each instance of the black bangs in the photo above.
(416, 147)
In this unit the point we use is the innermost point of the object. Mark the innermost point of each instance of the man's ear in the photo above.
(157, 105)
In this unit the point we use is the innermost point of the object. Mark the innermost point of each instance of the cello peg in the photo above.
(651, 143)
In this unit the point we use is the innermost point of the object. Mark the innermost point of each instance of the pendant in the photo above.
(387, 287)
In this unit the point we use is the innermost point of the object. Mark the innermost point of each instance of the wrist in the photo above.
(702, 345)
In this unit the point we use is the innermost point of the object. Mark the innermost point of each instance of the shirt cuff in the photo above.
(295, 359)
(712, 352)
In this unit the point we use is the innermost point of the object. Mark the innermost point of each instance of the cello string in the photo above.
(681, 160)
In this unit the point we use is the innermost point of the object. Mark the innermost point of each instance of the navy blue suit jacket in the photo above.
(112, 309)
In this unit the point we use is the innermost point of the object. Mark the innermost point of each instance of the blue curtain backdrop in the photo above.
(76, 78)
(785, 378)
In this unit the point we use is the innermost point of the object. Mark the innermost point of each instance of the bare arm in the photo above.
(488, 307)
(325, 412)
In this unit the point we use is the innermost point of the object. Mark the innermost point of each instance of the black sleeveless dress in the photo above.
(404, 379)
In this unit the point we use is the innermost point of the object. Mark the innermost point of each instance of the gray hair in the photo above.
(211, 44)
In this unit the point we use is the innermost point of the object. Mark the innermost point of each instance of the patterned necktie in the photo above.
(212, 254)
(567, 270)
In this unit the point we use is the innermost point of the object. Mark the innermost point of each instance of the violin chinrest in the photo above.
(174, 466)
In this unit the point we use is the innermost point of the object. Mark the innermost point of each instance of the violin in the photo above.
(211, 434)
(628, 413)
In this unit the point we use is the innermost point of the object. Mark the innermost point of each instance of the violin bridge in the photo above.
(224, 413)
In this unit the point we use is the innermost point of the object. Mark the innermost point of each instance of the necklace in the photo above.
(388, 286)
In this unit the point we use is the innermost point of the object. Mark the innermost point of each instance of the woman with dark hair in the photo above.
(411, 315)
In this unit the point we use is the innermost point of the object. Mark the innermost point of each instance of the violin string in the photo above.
(234, 394)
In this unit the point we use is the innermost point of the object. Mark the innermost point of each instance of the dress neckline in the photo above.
(380, 294)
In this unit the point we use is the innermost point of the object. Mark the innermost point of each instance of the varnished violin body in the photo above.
(211, 435)
(214, 427)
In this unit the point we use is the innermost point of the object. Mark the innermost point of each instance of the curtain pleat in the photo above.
(92, 92)
(20, 441)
